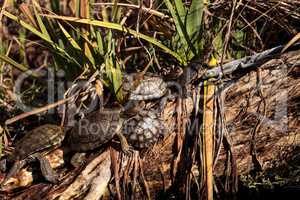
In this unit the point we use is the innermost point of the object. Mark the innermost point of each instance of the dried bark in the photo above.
(277, 137)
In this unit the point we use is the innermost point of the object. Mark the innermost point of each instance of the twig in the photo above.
(227, 36)
(247, 63)
(38, 110)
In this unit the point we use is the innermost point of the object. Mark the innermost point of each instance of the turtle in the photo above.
(139, 88)
(96, 129)
(147, 87)
(144, 129)
(33, 146)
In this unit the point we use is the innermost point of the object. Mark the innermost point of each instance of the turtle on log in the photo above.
(33, 146)
(144, 129)
(96, 129)
(139, 88)
(147, 88)
(99, 127)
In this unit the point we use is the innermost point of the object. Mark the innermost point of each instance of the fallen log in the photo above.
(262, 119)
(275, 140)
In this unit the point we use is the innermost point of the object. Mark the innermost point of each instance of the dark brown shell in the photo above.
(38, 139)
(95, 129)
(144, 129)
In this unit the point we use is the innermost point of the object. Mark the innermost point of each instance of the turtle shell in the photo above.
(144, 129)
(95, 129)
(150, 87)
(38, 139)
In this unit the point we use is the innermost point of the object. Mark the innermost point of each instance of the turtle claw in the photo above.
(3, 165)
(78, 159)
(126, 148)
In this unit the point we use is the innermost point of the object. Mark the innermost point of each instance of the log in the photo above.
(277, 137)
(262, 119)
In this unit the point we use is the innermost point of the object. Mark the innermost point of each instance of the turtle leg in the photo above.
(46, 169)
(14, 170)
(3, 165)
(126, 148)
(133, 106)
(78, 159)
(164, 100)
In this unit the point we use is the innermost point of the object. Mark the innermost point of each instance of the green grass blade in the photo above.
(114, 74)
(19, 66)
(69, 37)
(117, 81)
(115, 11)
(178, 23)
(41, 35)
(123, 29)
(89, 54)
(40, 23)
(87, 43)
(54, 6)
(179, 16)
(181, 11)
(100, 45)
(194, 18)
(27, 26)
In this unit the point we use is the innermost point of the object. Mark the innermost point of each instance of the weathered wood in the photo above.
(277, 137)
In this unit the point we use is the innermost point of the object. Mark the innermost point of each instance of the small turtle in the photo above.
(96, 129)
(139, 88)
(32, 146)
(146, 87)
(144, 129)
